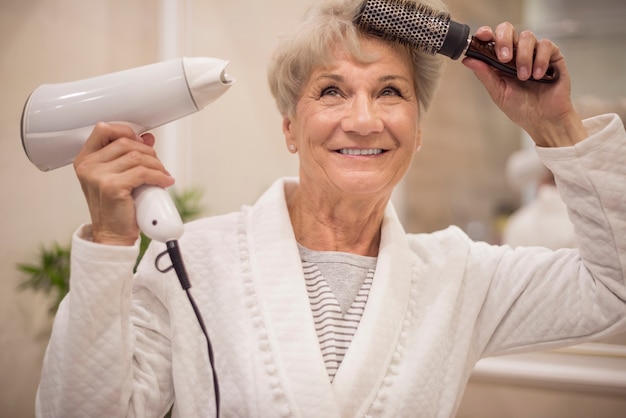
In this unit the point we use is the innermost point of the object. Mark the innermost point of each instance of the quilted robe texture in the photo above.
(130, 346)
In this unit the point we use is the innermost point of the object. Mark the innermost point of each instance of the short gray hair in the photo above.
(307, 48)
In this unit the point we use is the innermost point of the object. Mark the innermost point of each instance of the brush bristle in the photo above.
(413, 24)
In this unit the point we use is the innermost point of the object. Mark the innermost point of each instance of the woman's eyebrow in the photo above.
(332, 76)
(385, 78)
(393, 77)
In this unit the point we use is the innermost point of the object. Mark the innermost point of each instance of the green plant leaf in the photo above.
(51, 274)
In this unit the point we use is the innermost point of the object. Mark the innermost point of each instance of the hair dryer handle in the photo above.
(157, 215)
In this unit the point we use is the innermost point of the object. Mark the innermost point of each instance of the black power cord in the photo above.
(179, 267)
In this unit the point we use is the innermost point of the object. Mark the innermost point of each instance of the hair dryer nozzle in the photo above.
(207, 79)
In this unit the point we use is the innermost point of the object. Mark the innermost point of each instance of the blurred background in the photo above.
(234, 149)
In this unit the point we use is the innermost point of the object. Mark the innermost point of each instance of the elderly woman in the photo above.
(317, 302)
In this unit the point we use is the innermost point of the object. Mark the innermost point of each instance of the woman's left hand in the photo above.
(544, 110)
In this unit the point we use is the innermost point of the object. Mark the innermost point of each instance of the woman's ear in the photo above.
(289, 137)
(286, 126)
(418, 142)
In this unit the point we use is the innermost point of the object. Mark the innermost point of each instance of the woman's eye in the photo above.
(330, 91)
(391, 91)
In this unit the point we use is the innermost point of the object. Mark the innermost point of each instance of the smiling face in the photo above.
(356, 125)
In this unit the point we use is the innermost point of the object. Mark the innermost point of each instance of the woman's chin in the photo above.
(364, 183)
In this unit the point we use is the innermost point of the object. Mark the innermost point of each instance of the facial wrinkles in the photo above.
(357, 84)
(360, 96)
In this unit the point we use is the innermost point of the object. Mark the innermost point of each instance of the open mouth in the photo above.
(354, 151)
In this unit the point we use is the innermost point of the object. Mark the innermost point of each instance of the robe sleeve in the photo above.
(107, 357)
(540, 298)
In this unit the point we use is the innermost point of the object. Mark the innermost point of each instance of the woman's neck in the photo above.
(339, 223)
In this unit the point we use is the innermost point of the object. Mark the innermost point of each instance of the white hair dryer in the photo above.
(58, 118)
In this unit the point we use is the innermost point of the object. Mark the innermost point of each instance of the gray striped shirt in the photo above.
(338, 285)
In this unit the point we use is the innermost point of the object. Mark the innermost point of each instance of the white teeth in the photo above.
(351, 151)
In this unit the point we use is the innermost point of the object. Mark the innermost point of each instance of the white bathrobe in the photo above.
(130, 346)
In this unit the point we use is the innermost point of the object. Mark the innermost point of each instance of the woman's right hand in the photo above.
(111, 164)
(544, 110)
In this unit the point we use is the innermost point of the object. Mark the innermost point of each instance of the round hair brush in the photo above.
(432, 32)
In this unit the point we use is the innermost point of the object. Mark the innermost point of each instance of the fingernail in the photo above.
(522, 73)
(505, 53)
(538, 73)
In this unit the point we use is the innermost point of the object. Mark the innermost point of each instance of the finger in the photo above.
(505, 40)
(120, 157)
(136, 158)
(485, 74)
(484, 33)
(119, 185)
(145, 174)
(148, 139)
(525, 54)
(105, 133)
(110, 154)
(123, 146)
(545, 52)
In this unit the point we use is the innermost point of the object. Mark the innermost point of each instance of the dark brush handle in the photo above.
(485, 52)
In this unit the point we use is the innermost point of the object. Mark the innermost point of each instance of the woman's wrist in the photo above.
(109, 238)
(565, 132)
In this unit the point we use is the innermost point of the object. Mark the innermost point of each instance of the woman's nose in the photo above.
(362, 116)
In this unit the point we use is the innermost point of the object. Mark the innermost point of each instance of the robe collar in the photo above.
(284, 309)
